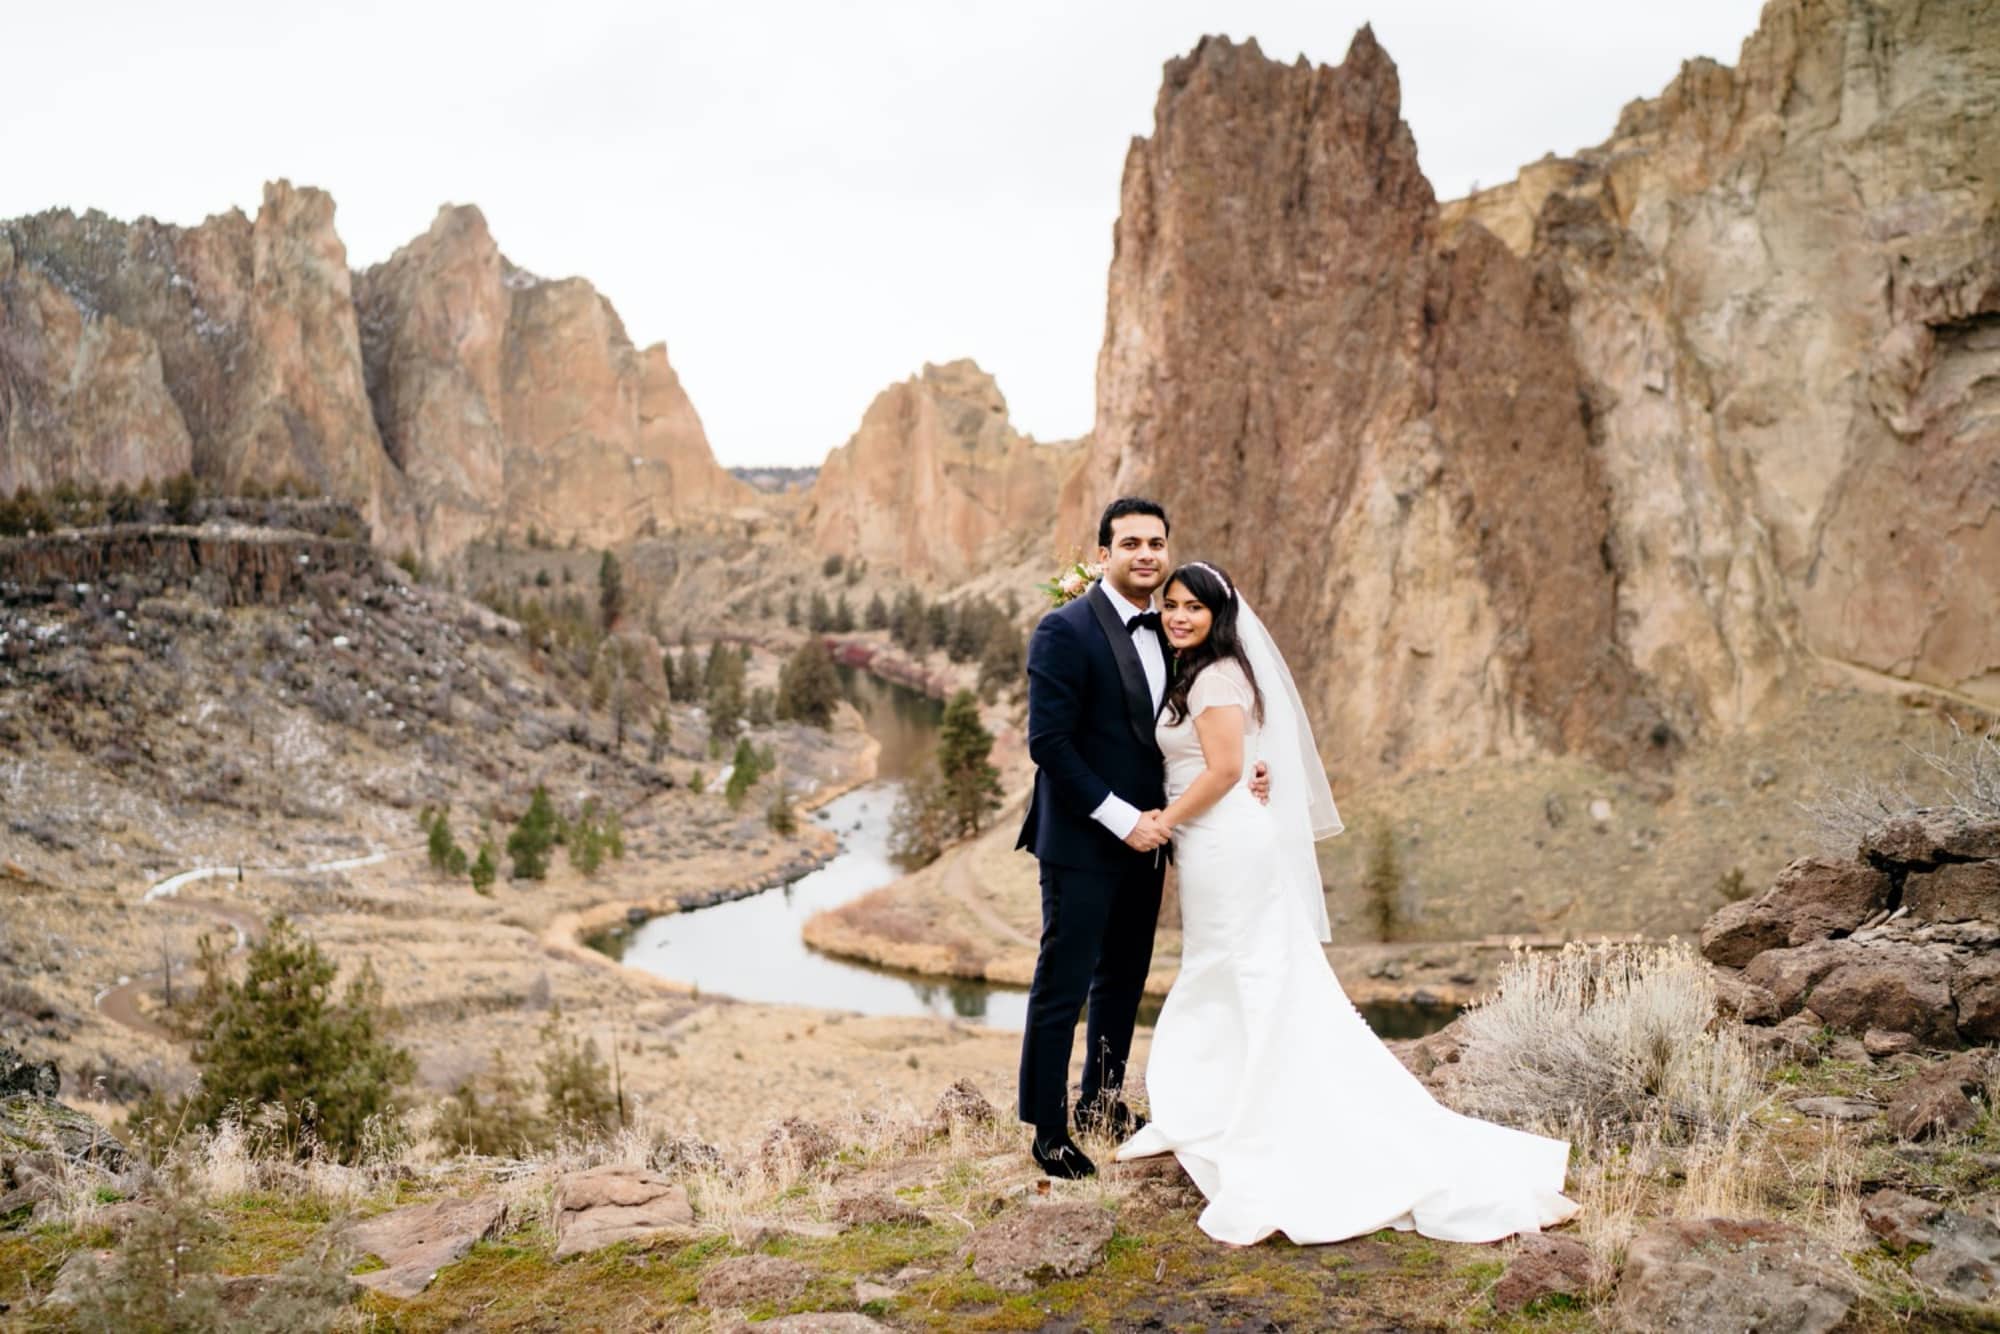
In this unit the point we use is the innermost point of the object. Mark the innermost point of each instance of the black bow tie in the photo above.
(1144, 618)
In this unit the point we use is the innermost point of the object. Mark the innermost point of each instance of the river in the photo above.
(751, 948)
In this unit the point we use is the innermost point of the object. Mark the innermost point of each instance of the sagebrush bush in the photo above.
(1961, 774)
(1609, 1035)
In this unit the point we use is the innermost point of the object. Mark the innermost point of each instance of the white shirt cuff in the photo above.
(1118, 815)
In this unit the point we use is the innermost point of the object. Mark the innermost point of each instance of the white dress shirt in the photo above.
(1114, 812)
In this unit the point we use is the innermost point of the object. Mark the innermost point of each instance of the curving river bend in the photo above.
(751, 948)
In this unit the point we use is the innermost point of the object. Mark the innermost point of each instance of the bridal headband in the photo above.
(1219, 577)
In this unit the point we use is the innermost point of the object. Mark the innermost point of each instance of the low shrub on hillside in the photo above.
(1606, 1035)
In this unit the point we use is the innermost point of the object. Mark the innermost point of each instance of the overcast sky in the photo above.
(806, 201)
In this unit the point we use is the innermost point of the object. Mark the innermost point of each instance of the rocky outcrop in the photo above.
(416, 1241)
(1604, 459)
(445, 393)
(513, 402)
(602, 1206)
(234, 346)
(1380, 433)
(249, 567)
(936, 482)
(1038, 1244)
(1783, 291)
(1897, 944)
(1723, 1273)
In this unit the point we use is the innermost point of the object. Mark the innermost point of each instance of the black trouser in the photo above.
(1097, 942)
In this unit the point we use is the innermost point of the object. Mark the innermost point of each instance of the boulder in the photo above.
(752, 1280)
(1955, 892)
(1545, 1265)
(1812, 899)
(684, 1154)
(1892, 985)
(30, 1123)
(19, 1075)
(962, 1102)
(1034, 1245)
(1899, 1219)
(1791, 974)
(1975, 995)
(604, 1205)
(1928, 838)
(1963, 1261)
(1933, 1101)
(415, 1242)
(1745, 1002)
(1880, 1042)
(1724, 1273)
(795, 1145)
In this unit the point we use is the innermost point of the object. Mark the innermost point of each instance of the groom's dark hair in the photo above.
(1123, 506)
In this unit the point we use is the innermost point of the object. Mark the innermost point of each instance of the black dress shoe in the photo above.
(1059, 1157)
(1109, 1116)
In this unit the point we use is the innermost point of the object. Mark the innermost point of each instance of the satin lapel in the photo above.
(1131, 672)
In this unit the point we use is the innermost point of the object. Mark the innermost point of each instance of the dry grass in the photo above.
(1607, 1036)
(1960, 773)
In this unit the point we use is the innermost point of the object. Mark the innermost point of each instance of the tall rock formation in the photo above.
(446, 393)
(1381, 436)
(936, 481)
(1785, 300)
(251, 326)
(514, 402)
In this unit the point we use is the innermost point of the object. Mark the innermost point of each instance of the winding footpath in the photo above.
(120, 1003)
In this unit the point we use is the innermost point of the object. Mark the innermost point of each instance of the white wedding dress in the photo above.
(1276, 1096)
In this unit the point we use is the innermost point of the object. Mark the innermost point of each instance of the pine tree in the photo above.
(819, 619)
(970, 784)
(485, 868)
(842, 622)
(278, 1039)
(809, 687)
(937, 626)
(877, 615)
(1003, 662)
(489, 1114)
(532, 838)
(446, 857)
(610, 591)
(576, 1083)
(792, 610)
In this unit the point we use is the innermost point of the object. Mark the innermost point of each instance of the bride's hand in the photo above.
(1260, 782)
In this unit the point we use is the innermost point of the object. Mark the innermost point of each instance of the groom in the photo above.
(1097, 673)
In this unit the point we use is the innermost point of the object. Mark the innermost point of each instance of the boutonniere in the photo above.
(1071, 582)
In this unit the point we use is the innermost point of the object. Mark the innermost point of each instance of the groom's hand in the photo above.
(1260, 783)
(1148, 834)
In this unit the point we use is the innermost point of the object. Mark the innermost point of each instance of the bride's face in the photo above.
(1184, 617)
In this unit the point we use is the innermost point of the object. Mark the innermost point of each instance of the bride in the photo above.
(1279, 1101)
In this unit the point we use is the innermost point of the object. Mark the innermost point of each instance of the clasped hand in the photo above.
(1153, 828)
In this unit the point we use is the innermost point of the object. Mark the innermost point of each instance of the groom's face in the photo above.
(1136, 560)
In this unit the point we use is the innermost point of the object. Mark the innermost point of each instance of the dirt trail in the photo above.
(120, 1003)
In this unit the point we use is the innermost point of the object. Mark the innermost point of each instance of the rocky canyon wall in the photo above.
(446, 393)
(936, 482)
(1602, 459)
(1784, 289)
(1380, 435)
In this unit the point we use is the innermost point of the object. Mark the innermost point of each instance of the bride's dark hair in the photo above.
(1216, 591)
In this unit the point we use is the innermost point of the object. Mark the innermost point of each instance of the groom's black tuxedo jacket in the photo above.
(1090, 733)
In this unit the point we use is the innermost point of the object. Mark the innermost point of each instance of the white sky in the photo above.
(806, 200)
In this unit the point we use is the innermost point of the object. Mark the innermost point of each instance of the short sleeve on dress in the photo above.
(1219, 686)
